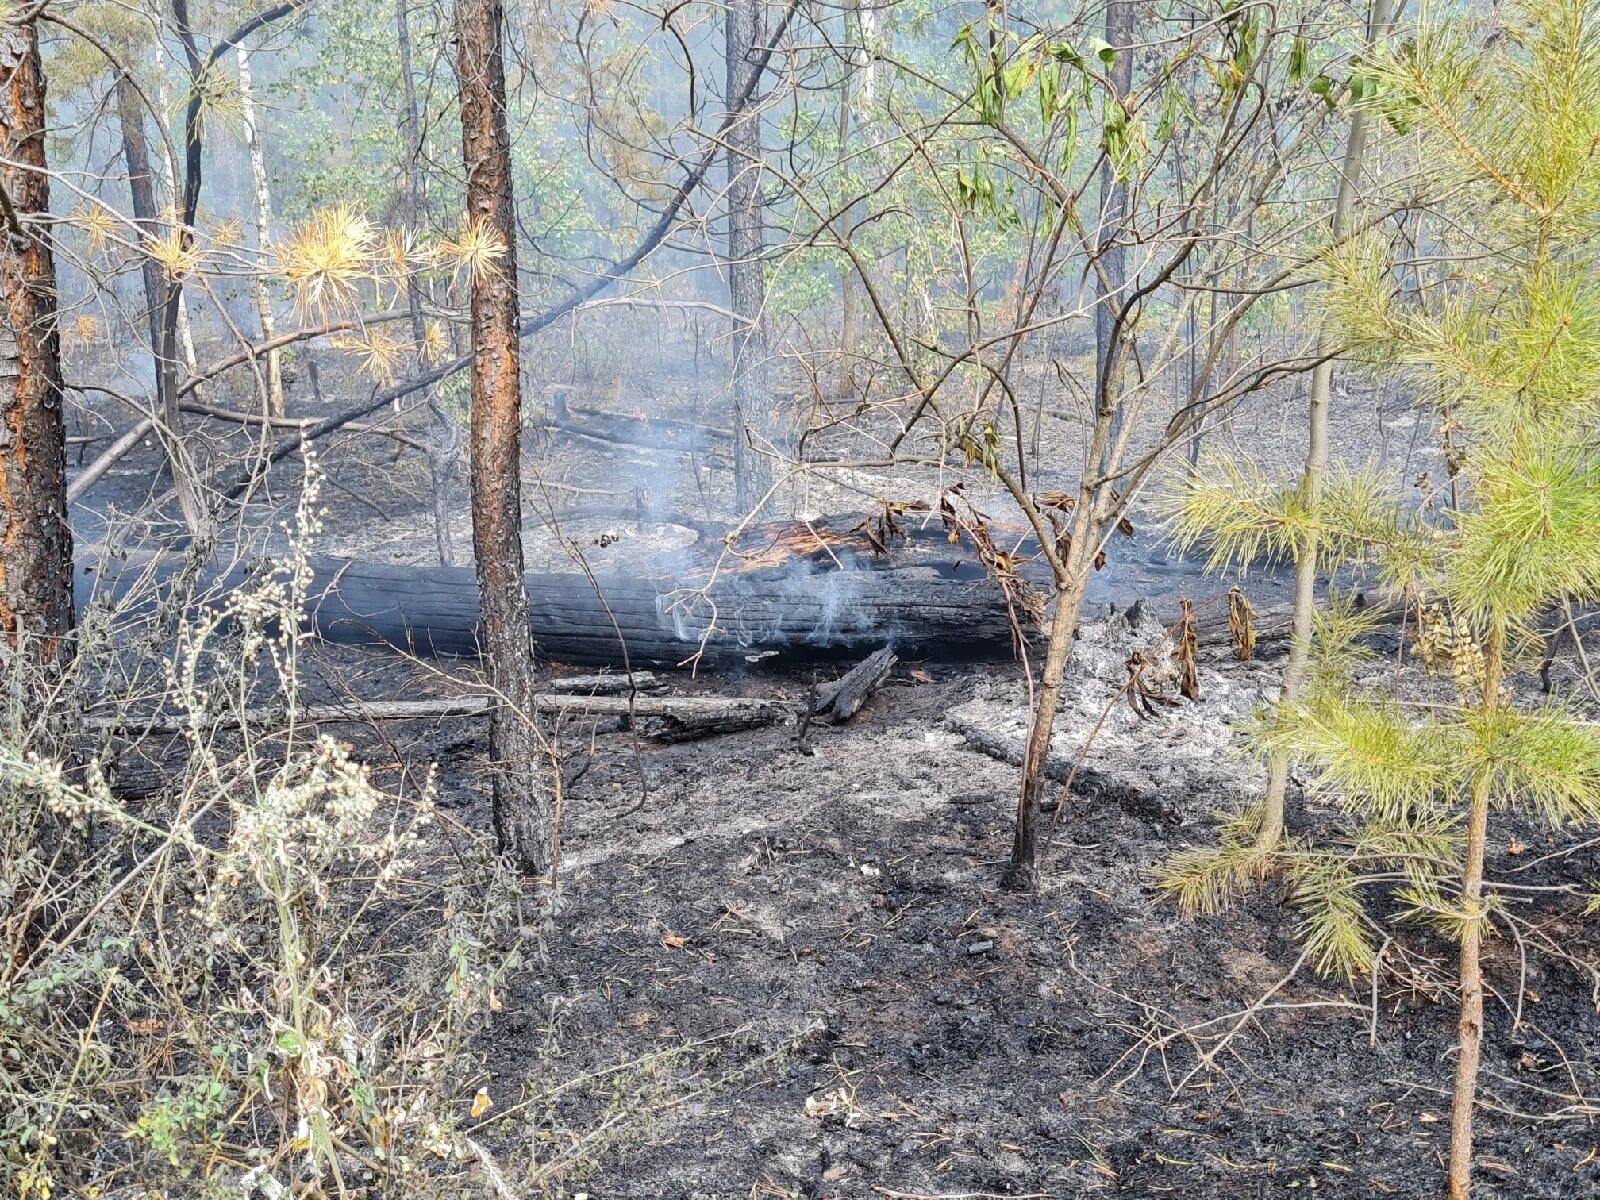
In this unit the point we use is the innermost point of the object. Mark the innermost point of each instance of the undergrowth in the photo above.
(263, 979)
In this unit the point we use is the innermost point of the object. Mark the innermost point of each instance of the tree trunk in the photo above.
(1063, 628)
(172, 310)
(170, 174)
(752, 399)
(1111, 279)
(1316, 468)
(35, 539)
(1469, 1032)
(258, 171)
(521, 814)
(1072, 577)
(142, 192)
(444, 439)
(847, 278)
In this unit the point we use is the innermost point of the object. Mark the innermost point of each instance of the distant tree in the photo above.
(752, 398)
(444, 441)
(1505, 343)
(1316, 463)
(35, 540)
(521, 812)
(263, 222)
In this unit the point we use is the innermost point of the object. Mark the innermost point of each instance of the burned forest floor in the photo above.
(776, 973)
(785, 974)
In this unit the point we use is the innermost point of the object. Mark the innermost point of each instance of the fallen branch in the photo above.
(651, 433)
(677, 715)
(244, 418)
(113, 453)
(618, 684)
(840, 699)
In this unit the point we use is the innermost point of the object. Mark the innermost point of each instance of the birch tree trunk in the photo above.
(522, 816)
(35, 539)
(258, 171)
(169, 178)
(174, 331)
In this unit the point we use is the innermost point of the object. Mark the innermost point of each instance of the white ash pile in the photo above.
(1149, 747)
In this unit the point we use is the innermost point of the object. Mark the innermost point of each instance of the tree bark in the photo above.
(1072, 584)
(752, 399)
(146, 215)
(35, 539)
(258, 171)
(522, 816)
(1316, 467)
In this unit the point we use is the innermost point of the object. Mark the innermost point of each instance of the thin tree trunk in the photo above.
(444, 440)
(1071, 585)
(258, 170)
(847, 278)
(1197, 435)
(1316, 467)
(1072, 580)
(1111, 279)
(35, 539)
(173, 319)
(170, 174)
(747, 289)
(522, 816)
(1036, 754)
(1469, 1032)
(142, 193)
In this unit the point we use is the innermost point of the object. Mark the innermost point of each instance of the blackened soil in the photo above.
(797, 976)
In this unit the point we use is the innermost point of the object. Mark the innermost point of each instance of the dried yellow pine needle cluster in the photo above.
(1447, 644)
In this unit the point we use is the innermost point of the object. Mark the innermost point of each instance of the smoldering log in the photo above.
(649, 433)
(816, 591)
(793, 593)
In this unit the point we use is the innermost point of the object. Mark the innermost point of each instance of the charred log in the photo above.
(621, 429)
(668, 717)
(790, 594)
(839, 700)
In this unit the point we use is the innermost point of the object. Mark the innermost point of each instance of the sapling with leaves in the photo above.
(1503, 342)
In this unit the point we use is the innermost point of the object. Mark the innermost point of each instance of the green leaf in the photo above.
(1018, 76)
(1049, 91)
(1066, 54)
(1299, 60)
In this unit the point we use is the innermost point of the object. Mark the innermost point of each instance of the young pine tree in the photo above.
(1500, 118)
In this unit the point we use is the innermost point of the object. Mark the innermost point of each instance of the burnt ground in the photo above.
(782, 975)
